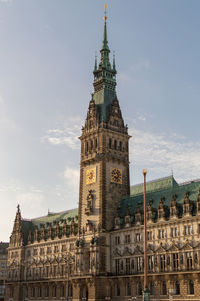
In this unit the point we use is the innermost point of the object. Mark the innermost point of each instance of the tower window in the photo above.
(117, 289)
(151, 288)
(70, 290)
(128, 289)
(120, 146)
(110, 143)
(47, 291)
(33, 292)
(62, 291)
(191, 287)
(164, 288)
(91, 144)
(86, 147)
(54, 291)
(177, 287)
(139, 289)
(40, 292)
(115, 144)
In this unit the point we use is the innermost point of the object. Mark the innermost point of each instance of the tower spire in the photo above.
(114, 68)
(104, 77)
(95, 63)
(105, 41)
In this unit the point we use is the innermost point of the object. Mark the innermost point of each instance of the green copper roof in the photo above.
(161, 188)
(55, 217)
(152, 186)
(105, 40)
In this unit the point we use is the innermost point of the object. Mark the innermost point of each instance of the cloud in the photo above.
(71, 175)
(67, 134)
(162, 153)
(1, 100)
(6, 121)
(8, 2)
(31, 201)
(141, 66)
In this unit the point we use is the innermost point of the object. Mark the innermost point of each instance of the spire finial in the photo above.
(105, 12)
(18, 208)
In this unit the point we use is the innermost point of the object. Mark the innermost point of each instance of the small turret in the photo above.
(16, 238)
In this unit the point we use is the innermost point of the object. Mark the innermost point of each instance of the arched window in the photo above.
(96, 143)
(25, 292)
(40, 292)
(32, 292)
(91, 144)
(86, 147)
(11, 292)
(62, 291)
(164, 288)
(54, 291)
(117, 288)
(191, 287)
(177, 288)
(120, 145)
(110, 143)
(139, 289)
(151, 288)
(46, 291)
(70, 290)
(128, 289)
(115, 144)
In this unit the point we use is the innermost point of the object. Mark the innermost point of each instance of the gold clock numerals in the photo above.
(116, 175)
(90, 176)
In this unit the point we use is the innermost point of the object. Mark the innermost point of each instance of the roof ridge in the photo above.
(51, 213)
(156, 180)
(189, 182)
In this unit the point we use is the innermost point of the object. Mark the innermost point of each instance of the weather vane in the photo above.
(105, 11)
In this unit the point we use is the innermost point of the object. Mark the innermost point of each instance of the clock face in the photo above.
(116, 175)
(90, 176)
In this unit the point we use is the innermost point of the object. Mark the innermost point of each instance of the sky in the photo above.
(46, 61)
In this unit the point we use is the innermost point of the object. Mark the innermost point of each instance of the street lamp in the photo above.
(146, 291)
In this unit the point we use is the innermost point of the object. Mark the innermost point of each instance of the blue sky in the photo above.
(46, 61)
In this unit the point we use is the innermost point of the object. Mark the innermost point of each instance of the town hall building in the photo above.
(96, 252)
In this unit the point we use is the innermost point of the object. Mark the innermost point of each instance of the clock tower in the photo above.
(104, 167)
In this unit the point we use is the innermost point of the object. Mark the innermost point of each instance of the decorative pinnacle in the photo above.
(105, 12)
(95, 64)
(113, 60)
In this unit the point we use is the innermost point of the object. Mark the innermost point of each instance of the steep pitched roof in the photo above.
(59, 217)
(155, 185)
(157, 189)
(55, 217)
